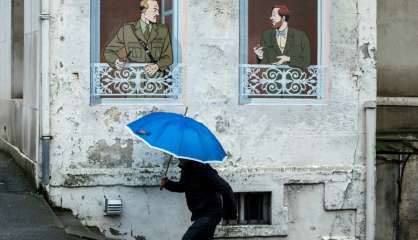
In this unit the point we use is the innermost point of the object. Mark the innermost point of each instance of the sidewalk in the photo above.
(24, 214)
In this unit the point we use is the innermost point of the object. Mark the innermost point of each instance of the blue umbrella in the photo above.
(179, 136)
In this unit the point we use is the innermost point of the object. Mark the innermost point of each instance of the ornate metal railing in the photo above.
(131, 80)
(269, 81)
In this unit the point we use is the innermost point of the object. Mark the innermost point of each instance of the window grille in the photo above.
(253, 208)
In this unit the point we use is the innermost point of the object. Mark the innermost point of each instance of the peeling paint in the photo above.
(365, 50)
(60, 109)
(118, 154)
(222, 124)
(77, 180)
(139, 237)
(116, 232)
(114, 114)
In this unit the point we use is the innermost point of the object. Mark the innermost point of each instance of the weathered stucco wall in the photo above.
(313, 152)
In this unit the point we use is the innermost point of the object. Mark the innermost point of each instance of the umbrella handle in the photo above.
(166, 171)
(171, 156)
(168, 165)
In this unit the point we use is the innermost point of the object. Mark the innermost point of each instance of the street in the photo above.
(24, 213)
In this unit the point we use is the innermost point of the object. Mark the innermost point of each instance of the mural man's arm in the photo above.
(166, 57)
(266, 48)
(114, 47)
(303, 59)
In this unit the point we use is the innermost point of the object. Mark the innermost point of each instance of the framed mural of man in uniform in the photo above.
(133, 51)
(142, 41)
(280, 49)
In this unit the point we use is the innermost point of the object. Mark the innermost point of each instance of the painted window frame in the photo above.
(321, 61)
(95, 56)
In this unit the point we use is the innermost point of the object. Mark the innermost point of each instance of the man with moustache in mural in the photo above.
(283, 45)
(142, 41)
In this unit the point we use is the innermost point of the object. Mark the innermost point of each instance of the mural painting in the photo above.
(136, 52)
(281, 49)
(282, 44)
(142, 41)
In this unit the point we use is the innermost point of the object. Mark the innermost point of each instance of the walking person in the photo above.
(209, 197)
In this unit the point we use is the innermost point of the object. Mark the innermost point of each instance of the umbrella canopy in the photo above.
(178, 135)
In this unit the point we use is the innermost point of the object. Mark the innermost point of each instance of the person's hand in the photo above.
(163, 182)
(259, 52)
(282, 60)
(151, 69)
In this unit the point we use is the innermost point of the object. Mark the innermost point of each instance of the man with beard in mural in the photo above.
(143, 41)
(283, 45)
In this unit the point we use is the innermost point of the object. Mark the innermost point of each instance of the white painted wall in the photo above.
(20, 116)
(272, 147)
(31, 83)
(5, 65)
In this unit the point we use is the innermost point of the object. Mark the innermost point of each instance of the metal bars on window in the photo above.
(253, 208)
(131, 81)
(271, 81)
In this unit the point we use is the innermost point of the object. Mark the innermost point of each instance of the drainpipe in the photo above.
(370, 108)
(45, 127)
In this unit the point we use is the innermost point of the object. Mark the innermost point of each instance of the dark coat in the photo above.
(203, 188)
(298, 48)
(159, 44)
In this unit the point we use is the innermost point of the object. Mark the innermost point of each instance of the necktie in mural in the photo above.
(147, 31)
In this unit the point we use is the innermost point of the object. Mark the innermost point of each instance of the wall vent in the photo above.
(113, 207)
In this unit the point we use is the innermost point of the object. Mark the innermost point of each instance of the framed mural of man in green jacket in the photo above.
(142, 41)
(282, 44)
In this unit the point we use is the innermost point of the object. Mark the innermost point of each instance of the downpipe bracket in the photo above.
(45, 16)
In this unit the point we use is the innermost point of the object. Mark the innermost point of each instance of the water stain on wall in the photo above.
(118, 154)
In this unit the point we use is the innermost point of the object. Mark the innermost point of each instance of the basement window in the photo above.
(253, 208)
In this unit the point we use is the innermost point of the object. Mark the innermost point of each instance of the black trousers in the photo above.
(202, 229)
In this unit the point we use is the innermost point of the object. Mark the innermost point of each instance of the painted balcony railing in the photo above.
(131, 80)
(279, 81)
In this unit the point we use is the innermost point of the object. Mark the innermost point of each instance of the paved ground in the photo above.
(24, 214)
